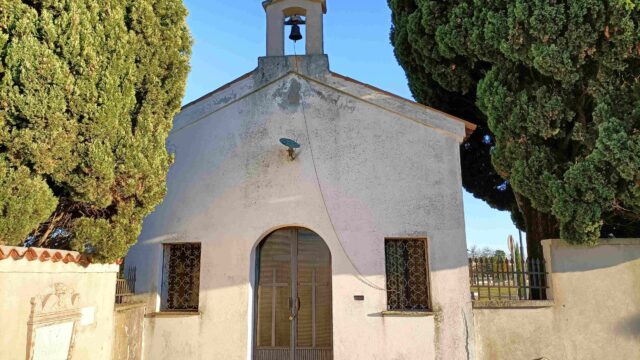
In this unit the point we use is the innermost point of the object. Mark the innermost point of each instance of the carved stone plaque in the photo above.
(52, 342)
(52, 324)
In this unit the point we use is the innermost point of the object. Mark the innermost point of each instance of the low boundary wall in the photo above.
(594, 312)
(53, 302)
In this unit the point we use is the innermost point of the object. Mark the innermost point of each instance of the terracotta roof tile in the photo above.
(31, 254)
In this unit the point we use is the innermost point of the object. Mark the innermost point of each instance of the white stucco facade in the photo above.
(371, 166)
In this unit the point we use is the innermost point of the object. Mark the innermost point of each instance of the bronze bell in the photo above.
(295, 21)
(295, 33)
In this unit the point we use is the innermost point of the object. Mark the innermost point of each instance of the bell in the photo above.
(295, 33)
(295, 21)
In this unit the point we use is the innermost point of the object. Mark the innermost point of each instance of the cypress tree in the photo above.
(556, 84)
(88, 90)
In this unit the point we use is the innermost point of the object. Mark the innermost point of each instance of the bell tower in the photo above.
(310, 12)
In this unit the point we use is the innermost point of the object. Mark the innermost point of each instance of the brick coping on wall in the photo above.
(32, 254)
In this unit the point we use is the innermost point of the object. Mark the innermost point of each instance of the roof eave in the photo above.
(221, 88)
(470, 127)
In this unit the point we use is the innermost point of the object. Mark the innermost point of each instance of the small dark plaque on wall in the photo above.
(358, 297)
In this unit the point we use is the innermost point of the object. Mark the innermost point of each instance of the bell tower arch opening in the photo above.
(305, 17)
(297, 24)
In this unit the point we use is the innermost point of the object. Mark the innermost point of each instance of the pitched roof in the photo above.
(469, 126)
(221, 88)
(280, 67)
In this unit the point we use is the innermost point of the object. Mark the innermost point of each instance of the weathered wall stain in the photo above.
(128, 326)
(287, 95)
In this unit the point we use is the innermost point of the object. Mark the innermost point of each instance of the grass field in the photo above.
(502, 293)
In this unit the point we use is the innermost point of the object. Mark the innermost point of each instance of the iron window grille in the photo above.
(407, 274)
(181, 277)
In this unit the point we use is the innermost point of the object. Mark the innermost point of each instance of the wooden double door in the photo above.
(293, 303)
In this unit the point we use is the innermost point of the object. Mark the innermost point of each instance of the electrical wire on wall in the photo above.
(359, 274)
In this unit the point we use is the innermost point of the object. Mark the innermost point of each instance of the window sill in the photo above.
(407, 313)
(163, 314)
(512, 304)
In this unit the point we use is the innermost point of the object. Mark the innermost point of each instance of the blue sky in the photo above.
(229, 36)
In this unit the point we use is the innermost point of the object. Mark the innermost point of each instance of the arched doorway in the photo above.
(293, 317)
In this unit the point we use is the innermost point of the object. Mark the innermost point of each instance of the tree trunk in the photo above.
(539, 226)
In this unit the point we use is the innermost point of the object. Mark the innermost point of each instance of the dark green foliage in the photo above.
(413, 50)
(88, 90)
(558, 84)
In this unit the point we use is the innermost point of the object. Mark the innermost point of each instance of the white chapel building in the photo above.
(308, 216)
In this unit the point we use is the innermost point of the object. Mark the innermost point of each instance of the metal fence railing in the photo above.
(126, 285)
(494, 278)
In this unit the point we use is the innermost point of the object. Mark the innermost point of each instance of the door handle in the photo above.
(294, 314)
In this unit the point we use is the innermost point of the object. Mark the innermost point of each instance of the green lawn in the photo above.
(502, 293)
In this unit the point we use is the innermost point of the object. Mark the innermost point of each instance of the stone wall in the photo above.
(127, 343)
(53, 303)
(594, 312)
